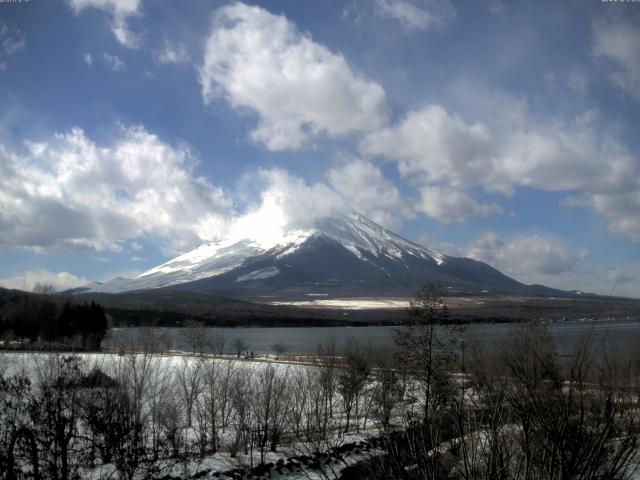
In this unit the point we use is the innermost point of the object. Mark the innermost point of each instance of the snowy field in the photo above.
(205, 416)
(228, 414)
(350, 303)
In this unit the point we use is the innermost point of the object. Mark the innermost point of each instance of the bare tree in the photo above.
(54, 413)
(216, 341)
(241, 397)
(188, 377)
(299, 397)
(327, 360)
(239, 346)
(529, 413)
(425, 346)
(270, 408)
(15, 392)
(388, 387)
(217, 382)
(209, 408)
(195, 336)
(321, 433)
(279, 349)
(44, 288)
(352, 376)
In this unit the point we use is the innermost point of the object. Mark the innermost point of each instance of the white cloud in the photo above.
(428, 240)
(120, 11)
(59, 280)
(298, 203)
(112, 62)
(11, 42)
(526, 257)
(88, 59)
(300, 90)
(542, 259)
(287, 201)
(453, 206)
(510, 148)
(577, 82)
(496, 7)
(547, 260)
(172, 54)
(621, 210)
(68, 192)
(365, 188)
(416, 14)
(618, 41)
(430, 145)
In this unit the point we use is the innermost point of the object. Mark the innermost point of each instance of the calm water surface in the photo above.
(613, 334)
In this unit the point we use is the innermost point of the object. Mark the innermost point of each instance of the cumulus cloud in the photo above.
(288, 202)
(120, 11)
(453, 206)
(113, 62)
(27, 281)
(69, 192)
(299, 89)
(172, 53)
(88, 59)
(436, 149)
(619, 209)
(364, 187)
(618, 41)
(542, 259)
(11, 42)
(548, 260)
(448, 248)
(430, 145)
(525, 257)
(416, 14)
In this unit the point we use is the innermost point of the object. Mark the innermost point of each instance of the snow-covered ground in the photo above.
(290, 389)
(165, 378)
(350, 303)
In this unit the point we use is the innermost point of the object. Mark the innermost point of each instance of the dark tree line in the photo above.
(37, 319)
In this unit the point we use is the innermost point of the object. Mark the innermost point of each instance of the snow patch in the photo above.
(349, 304)
(353, 249)
(259, 274)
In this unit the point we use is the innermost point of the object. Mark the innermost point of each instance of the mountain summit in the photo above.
(339, 254)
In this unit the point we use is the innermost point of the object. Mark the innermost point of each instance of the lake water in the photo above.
(613, 334)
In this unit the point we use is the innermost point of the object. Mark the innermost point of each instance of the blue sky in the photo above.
(132, 130)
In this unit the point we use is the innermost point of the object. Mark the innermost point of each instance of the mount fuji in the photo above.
(341, 254)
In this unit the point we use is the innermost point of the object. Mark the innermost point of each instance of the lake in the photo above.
(614, 334)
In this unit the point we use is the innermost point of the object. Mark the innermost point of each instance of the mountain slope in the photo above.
(342, 254)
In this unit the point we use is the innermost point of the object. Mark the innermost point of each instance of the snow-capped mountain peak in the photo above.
(356, 232)
(267, 234)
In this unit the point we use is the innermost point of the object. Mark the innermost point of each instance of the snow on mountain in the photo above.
(260, 274)
(266, 233)
(359, 234)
